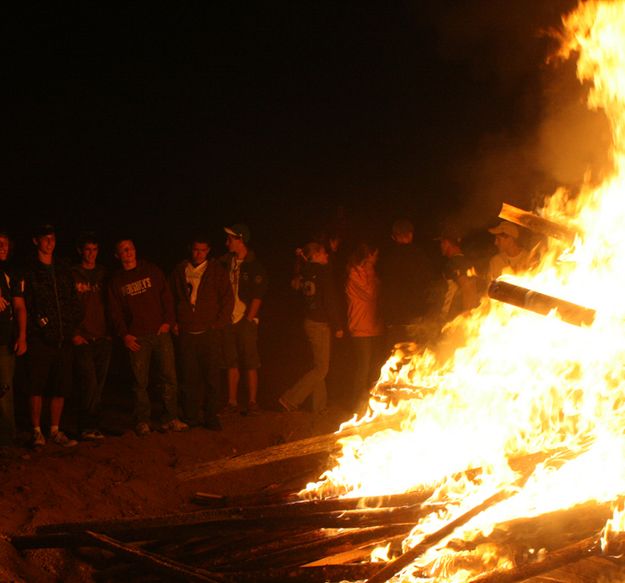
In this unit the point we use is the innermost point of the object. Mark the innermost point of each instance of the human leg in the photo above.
(87, 386)
(140, 367)
(164, 354)
(190, 359)
(313, 381)
(231, 363)
(7, 413)
(362, 358)
(211, 374)
(61, 386)
(247, 341)
(320, 338)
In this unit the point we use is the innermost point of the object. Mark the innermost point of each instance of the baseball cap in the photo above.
(239, 230)
(505, 228)
(451, 232)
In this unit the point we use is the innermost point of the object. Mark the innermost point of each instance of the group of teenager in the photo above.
(64, 318)
(382, 298)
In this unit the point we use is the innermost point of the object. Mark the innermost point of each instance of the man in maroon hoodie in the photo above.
(203, 300)
(142, 314)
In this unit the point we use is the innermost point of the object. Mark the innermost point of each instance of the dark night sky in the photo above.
(166, 117)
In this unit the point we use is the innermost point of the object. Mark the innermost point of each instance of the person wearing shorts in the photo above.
(54, 312)
(240, 338)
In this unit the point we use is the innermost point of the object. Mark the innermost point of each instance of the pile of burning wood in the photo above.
(279, 537)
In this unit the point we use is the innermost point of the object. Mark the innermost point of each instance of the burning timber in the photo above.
(540, 303)
(538, 224)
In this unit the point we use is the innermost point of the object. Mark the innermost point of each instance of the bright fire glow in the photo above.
(519, 383)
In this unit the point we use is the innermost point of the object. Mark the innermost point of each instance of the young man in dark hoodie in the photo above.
(142, 314)
(203, 301)
(92, 339)
(54, 312)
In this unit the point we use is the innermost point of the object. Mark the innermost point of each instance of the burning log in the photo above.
(538, 224)
(430, 540)
(589, 547)
(307, 547)
(300, 448)
(534, 301)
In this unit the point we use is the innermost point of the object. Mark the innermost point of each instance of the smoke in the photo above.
(540, 134)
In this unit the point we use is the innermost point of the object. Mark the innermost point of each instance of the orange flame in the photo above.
(520, 383)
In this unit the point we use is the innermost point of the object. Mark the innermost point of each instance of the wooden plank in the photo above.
(295, 449)
(156, 562)
(538, 224)
(430, 540)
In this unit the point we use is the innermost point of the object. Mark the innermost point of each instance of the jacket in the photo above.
(54, 310)
(252, 278)
(214, 303)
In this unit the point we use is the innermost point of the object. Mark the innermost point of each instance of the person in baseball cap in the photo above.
(239, 230)
(512, 257)
(505, 228)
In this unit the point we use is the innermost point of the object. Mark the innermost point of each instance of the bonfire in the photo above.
(523, 385)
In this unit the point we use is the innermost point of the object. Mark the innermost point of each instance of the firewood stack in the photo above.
(279, 537)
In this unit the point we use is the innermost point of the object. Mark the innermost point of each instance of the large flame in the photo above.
(521, 383)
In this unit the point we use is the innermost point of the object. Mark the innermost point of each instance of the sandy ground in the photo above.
(129, 476)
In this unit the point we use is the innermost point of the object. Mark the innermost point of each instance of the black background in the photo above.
(159, 119)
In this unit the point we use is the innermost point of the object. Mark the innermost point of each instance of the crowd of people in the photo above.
(202, 318)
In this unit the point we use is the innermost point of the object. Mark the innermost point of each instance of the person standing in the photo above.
(405, 274)
(12, 340)
(322, 319)
(512, 257)
(461, 293)
(248, 279)
(203, 302)
(92, 339)
(363, 318)
(54, 312)
(142, 314)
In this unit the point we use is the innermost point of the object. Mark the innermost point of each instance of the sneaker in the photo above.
(61, 439)
(142, 429)
(253, 409)
(288, 407)
(38, 439)
(174, 425)
(230, 409)
(91, 435)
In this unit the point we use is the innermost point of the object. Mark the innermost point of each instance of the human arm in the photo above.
(19, 309)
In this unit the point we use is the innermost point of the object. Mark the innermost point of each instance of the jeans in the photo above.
(161, 347)
(200, 368)
(92, 363)
(314, 381)
(7, 414)
(368, 360)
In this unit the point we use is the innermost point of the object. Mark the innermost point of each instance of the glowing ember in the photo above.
(521, 383)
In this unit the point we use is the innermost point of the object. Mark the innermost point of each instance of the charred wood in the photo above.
(589, 547)
(540, 303)
(308, 547)
(294, 449)
(156, 562)
(538, 224)
(430, 540)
